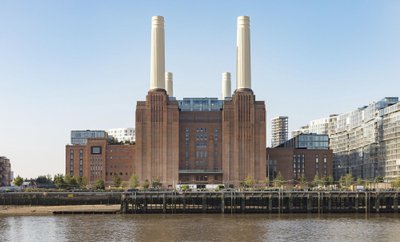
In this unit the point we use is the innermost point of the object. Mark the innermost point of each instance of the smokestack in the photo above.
(157, 69)
(226, 85)
(169, 84)
(243, 66)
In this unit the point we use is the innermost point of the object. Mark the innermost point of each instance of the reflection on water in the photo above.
(199, 227)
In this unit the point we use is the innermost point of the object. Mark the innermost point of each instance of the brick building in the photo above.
(304, 155)
(98, 160)
(193, 140)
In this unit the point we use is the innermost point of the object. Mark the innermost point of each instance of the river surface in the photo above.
(199, 227)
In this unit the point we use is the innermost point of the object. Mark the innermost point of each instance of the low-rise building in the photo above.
(305, 155)
(98, 160)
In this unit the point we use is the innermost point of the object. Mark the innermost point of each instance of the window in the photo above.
(95, 150)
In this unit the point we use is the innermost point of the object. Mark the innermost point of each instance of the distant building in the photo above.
(302, 130)
(279, 130)
(304, 155)
(98, 160)
(5, 171)
(122, 134)
(365, 141)
(79, 137)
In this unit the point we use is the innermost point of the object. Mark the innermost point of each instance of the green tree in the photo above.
(360, 181)
(117, 181)
(346, 180)
(249, 181)
(278, 181)
(99, 185)
(146, 184)
(267, 183)
(155, 183)
(18, 181)
(44, 180)
(303, 181)
(379, 179)
(185, 187)
(396, 183)
(134, 183)
(317, 181)
(59, 180)
(70, 182)
(82, 181)
(328, 180)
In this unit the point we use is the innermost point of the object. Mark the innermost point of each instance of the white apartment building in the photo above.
(122, 134)
(366, 141)
(279, 130)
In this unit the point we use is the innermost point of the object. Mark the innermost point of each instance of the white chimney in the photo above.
(157, 69)
(243, 66)
(169, 84)
(226, 85)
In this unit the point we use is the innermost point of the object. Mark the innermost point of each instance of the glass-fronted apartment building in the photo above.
(366, 141)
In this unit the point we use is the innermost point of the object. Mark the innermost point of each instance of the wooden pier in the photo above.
(260, 202)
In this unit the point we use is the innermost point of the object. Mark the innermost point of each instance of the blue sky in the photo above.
(68, 65)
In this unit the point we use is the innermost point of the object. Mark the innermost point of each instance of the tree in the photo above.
(134, 183)
(396, 183)
(99, 185)
(267, 183)
(360, 181)
(155, 183)
(71, 182)
(44, 180)
(249, 181)
(328, 180)
(82, 182)
(303, 181)
(346, 180)
(278, 181)
(117, 181)
(146, 184)
(379, 179)
(18, 181)
(59, 180)
(317, 181)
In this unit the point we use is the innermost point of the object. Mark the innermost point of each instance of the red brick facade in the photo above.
(293, 163)
(174, 146)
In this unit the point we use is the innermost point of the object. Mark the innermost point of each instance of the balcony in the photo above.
(201, 171)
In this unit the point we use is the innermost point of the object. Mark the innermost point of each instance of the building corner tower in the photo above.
(243, 120)
(157, 121)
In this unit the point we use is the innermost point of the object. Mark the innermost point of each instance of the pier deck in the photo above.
(260, 202)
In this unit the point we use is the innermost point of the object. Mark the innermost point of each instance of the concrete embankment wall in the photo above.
(59, 198)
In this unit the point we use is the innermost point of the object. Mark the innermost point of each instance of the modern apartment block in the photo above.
(279, 130)
(366, 141)
(5, 171)
(305, 155)
(193, 140)
(122, 134)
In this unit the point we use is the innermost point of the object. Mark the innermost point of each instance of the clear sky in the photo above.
(73, 64)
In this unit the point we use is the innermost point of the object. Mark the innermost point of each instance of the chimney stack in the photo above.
(157, 69)
(243, 66)
(169, 84)
(226, 85)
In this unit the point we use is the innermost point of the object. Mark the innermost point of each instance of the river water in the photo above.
(202, 227)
